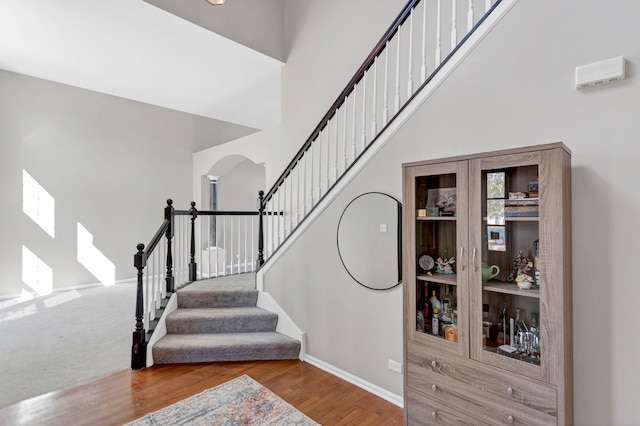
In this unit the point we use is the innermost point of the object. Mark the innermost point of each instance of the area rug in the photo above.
(241, 401)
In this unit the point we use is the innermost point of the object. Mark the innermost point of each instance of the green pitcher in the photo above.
(489, 272)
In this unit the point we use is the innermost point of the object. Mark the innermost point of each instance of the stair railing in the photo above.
(401, 64)
(423, 37)
(190, 245)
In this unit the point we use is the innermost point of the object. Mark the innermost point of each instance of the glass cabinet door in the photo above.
(438, 298)
(506, 272)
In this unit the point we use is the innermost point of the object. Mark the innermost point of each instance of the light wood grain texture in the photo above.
(474, 382)
(129, 394)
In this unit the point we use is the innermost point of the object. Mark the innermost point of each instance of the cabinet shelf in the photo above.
(510, 288)
(518, 219)
(436, 218)
(451, 279)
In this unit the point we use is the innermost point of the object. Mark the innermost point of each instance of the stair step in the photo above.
(221, 320)
(216, 347)
(194, 296)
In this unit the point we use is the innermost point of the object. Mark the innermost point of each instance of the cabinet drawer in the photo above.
(421, 410)
(492, 382)
(468, 399)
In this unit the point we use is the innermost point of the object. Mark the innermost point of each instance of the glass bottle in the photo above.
(535, 331)
(486, 324)
(451, 331)
(435, 321)
(503, 329)
(435, 302)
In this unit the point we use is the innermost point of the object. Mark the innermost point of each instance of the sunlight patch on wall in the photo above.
(35, 273)
(93, 259)
(38, 204)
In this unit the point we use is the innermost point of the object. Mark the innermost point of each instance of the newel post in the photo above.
(168, 215)
(193, 266)
(260, 229)
(139, 346)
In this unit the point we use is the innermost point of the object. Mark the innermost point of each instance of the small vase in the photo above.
(524, 285)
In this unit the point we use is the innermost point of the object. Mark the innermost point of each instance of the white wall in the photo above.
(515, 89)
(325, 43)
(109, 163)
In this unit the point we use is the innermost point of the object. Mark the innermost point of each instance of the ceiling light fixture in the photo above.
(215, 2)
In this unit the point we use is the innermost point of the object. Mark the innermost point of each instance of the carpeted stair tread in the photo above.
(215, 347)
(229, 296)
(221, 320)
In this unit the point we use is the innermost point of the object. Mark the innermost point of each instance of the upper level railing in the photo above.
(420, 41)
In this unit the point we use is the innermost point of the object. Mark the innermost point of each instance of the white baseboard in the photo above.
(369, 387)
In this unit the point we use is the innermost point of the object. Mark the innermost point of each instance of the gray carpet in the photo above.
(221, 322)
(64, 339)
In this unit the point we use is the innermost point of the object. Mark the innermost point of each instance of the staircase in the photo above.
(223, 323)
(219, 321)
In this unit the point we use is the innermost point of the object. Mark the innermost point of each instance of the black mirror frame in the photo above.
(399, 239)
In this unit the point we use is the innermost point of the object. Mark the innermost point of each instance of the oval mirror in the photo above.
(370, 240)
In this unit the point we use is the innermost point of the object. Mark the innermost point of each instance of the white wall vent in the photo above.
(599, 73)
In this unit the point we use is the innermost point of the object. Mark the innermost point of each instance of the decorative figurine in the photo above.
(520, 274)
(445, 266)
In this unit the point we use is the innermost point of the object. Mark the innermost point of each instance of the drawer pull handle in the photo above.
(434, 364)
(510, 390)
(510, 419)
(434, 387)
(434, 414)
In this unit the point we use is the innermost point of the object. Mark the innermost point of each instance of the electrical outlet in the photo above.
(395, 366)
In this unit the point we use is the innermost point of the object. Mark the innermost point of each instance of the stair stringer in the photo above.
(395, 124)
(161, 328)
(285, 325)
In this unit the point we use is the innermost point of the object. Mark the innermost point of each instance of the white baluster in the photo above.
(291, 201)
(298, 168)
(364, 110)
(385, 110)
(410, 78)
(398, 74)
(470, 17)
(353, 126)
(344, 135)
(231, 248)
(246, 244)
(310, 151)
(454, 25)
(374, 121)
(318, 142)
(224, 244)
(304, 187)
(328, 155)
(217, 243)
(438, 35)
(423, 66)
(278, 217)
(336, 144)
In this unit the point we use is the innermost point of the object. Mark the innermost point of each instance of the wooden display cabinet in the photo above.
(510, 361)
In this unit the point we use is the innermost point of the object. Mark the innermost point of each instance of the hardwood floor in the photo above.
(126, 395)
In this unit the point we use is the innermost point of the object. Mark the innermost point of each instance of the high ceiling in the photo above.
(134, 50)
